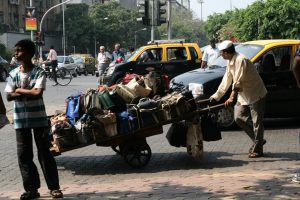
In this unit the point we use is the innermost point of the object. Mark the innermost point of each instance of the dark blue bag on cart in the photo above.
(134, 115)
(126, 123)
(74, 108)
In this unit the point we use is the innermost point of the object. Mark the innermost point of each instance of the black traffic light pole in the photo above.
(169, 8)
(152, 12)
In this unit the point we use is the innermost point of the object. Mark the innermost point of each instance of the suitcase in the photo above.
(125, 93)
(148, 112)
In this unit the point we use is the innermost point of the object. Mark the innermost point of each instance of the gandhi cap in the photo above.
(225, 45)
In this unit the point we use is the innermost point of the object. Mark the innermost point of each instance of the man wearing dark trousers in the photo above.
(25, 86)
(52, 57)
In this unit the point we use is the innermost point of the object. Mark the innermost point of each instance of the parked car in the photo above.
(68, 63)
(89, 63)
(4, 69)
(158, 55)
(80, 69)
(273, 60)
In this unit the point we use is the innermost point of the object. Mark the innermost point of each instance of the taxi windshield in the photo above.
(248, 50)
(133, 55)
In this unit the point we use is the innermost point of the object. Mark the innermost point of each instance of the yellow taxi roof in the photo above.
(273, 42)
(169, 45)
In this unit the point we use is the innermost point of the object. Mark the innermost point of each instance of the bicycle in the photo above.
(63, 75)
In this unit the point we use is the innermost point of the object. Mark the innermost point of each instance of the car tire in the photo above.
(225, 118)
(74, 75)
(3, 75)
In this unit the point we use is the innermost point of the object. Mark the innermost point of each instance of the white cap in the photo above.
(225, 45)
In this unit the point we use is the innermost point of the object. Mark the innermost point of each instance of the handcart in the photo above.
(133, 146)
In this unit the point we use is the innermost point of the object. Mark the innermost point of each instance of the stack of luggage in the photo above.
(139, 102)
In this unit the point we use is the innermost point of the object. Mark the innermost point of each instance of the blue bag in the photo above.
(73, 108)
(126, 123)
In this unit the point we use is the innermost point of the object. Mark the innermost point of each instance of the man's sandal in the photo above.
(252, 147)
(255, 155)
(33, 194)
(56, 194)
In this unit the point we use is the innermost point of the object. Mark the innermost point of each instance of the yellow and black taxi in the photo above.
(273, 60)
(171, 57)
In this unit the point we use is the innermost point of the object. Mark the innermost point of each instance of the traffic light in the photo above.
(143, 6)
(37, 36)
(161, 10)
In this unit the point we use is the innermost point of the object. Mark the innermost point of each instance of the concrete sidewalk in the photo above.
(235, 185)
(225, 171)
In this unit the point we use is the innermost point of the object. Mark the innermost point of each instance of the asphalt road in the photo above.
(225, 171)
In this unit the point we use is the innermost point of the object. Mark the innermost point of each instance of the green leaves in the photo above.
(270, 19)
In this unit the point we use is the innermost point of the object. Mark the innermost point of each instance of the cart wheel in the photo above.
(116, 149)
(137, 155)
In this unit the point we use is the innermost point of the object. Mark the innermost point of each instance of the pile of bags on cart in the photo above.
(136, 103)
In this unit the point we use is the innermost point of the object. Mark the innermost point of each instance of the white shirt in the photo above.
(52, 55)
(103, 57)
(210, 54)
(241, 72)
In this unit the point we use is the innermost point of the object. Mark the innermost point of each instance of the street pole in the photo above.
(152, 24)
(31, 32)
(42, 20)
(135, 39)
(64, 35)
(201, 2)
(135, 36)
(169, 4)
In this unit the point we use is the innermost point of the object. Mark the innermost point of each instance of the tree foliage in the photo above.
(184, 26)
(78, 27)
(270, 19)
(110, 23)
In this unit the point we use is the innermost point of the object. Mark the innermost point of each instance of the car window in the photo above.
(176, 53)
(71, 60)
(249, 50)
(154, 54)
(134, 54)
(60, 59)
(277, 59)
(194, 54)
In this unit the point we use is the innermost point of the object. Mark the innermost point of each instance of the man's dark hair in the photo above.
(230, 49)
(27, 45)
(213, 40)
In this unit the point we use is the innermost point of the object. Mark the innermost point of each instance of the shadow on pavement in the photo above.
(160, 162)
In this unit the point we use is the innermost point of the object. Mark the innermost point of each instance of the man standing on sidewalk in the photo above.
(250, 91)
(25, 87)
(296, 71)
(52, 57)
